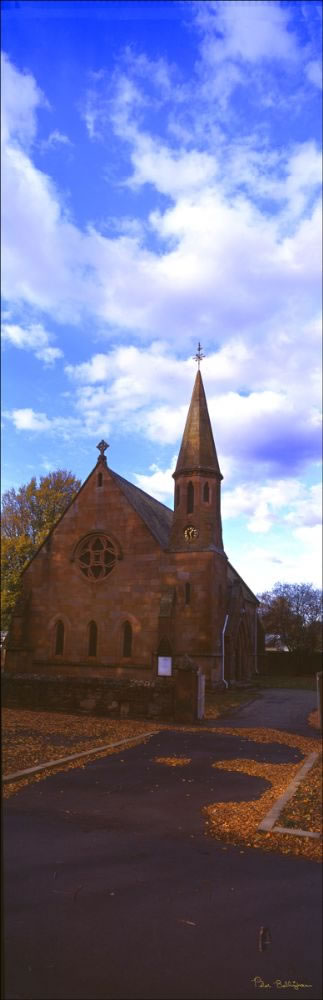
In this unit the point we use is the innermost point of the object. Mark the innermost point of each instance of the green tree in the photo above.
(292, 613)
(27, 517)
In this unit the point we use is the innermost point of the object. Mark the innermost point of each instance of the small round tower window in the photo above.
(96, 557)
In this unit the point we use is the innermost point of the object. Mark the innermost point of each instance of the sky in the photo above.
(161, 187)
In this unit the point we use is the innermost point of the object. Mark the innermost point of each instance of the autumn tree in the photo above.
(28, 514)
(292, 613)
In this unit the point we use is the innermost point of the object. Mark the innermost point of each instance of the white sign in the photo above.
(164, 666)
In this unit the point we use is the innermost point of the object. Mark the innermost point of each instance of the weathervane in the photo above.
(199, 355)
(102, 448)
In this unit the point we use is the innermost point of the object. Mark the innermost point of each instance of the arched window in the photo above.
(93, 638)
(99, 478)
(190, 498)
(187, 593)
(164, 648)
(177, 495)
(127, 639)
(59, 638)
(206, 493)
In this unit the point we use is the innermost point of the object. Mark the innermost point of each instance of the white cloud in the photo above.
(262, 428)
(278, 502)
(290, 177)
(248, 32)
(32, 338)
(159, 483)
(228, 252)
(311, 535)
(171, 172)
(307, 511)
(27, 419)
(55, 138)
(239, 43)
(209, 244)
(159, 72)
(21, 97)
(314, 72)
(282, 561)
(247, 283)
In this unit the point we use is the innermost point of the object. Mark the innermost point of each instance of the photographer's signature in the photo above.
(280, 984)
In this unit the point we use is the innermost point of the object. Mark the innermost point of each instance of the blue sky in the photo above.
(161, 185)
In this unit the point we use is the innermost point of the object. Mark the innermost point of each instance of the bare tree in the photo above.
(292, 613)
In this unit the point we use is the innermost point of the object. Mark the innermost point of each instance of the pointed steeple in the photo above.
(198, 452)
(197, 497)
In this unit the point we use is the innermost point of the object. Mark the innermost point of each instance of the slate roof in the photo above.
(247, 593)
(156, 515)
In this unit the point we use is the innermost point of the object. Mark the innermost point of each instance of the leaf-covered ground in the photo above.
(173, 761)
(237, 822)
(31, 738)
(314, 719)
(36, 737)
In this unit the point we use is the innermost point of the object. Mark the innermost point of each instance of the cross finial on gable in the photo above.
(102, 447)
(199, 355)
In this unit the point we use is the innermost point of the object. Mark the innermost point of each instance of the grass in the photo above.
(305, 682)
(220, 702)
(304, 811)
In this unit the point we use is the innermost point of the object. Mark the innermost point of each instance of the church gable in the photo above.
(91, 603)
(101, 513)
(107, 502)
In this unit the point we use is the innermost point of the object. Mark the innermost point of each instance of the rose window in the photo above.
(96, 557)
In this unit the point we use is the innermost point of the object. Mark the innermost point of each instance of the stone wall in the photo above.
(125, 699)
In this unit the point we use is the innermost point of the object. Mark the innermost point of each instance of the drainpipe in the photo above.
(256, 650)
(222, 664)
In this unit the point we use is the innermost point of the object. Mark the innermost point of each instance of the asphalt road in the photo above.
(113, 889)
(280, 708)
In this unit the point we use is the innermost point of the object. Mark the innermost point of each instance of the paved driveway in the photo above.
(113, 889)
(279, 708)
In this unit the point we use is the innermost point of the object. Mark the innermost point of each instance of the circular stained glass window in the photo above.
(96, 557)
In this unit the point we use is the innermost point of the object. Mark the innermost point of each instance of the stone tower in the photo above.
(197, 499)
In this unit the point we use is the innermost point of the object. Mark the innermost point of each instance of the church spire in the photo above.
(197, 502)
(198, 452)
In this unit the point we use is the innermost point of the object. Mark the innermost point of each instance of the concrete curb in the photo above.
(75, 756)
(296, 832)
(268, 823)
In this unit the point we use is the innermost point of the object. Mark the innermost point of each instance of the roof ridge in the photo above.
(138, 488)
(155, 515)
(243, 581)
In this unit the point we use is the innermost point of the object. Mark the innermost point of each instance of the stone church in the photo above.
(124, 586)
